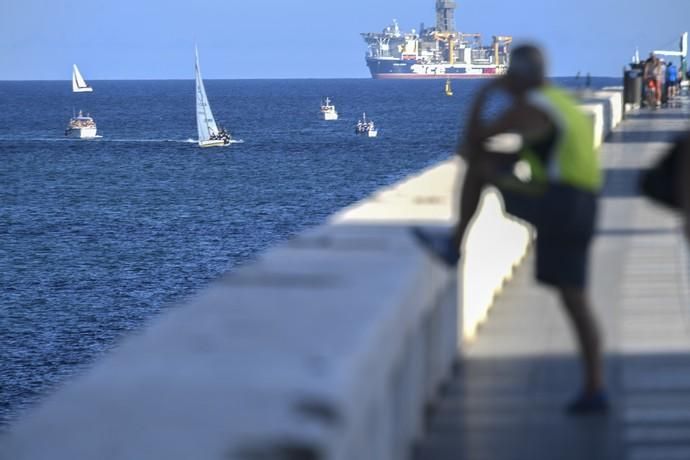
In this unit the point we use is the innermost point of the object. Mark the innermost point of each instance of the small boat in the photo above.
(209, 133)
(328, 111)
(449, 88)
(366, 127)
(81, 127)
(78, 83)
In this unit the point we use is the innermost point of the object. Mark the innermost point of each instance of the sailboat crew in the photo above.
(224, 135)
(363, 127)
(221, 135)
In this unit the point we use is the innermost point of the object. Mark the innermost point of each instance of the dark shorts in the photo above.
(564, 217)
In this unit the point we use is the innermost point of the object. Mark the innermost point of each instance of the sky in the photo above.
(154, 39)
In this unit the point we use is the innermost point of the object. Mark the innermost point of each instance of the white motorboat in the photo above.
(209, 133)
(81, 127)
(366, 127)
(78, 83)
(328, 111)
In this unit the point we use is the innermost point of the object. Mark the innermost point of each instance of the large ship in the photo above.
(435, 52)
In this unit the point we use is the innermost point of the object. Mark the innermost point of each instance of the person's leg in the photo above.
(480, 170)
(476, 178)
(564, 236)
(580, 314)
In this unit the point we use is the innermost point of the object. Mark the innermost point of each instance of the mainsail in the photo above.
(78, 83)
(205, 123)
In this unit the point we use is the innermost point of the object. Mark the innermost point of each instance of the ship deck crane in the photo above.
(448, 37)
(499, 40)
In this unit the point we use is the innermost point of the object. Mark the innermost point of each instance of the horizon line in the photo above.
(253, 78)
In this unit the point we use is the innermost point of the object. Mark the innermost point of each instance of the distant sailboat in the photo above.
(78, 83)
(448, 89)
(209, 134)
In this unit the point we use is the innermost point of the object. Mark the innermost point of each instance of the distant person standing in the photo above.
(663, 87)
(671, 80)
(651, 77)
(560, 198)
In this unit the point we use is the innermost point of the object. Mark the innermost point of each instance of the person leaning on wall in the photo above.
(559, 195)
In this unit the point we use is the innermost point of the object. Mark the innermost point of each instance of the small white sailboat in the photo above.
(209, 134)
(366, 127)
(78, 83)
(328, 111)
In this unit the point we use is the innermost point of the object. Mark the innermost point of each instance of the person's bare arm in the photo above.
(531, 123)
(469, 144)
(523, 119)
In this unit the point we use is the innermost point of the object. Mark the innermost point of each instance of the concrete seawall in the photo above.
(329, 346)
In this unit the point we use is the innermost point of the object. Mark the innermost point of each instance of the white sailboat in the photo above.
(209, 134)
(78, 83)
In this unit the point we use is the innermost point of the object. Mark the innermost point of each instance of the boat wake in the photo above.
(178, 141)
(97, 138)
(232, 141)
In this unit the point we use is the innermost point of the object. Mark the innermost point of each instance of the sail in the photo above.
(78, 83)
(205, 123)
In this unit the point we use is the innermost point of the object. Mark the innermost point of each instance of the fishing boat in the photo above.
(449, 88)
(78, 83)
(209, 133)
(81, 127)
(366, 127)
(328, 111)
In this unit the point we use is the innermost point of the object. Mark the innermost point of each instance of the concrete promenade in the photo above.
(506, 397)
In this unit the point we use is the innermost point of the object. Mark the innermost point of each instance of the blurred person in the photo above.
(661, 78)
(671, 80)
(683, 186)
(557, 192)
(651, 76)
(667, 182)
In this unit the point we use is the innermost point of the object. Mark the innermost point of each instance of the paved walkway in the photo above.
(506, 398)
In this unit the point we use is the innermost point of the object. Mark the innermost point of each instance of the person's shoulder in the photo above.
(550, 91)
(540, 99)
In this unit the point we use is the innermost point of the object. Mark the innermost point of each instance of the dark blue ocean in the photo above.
(98, 236)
